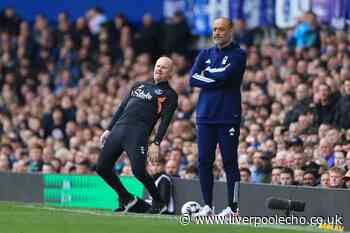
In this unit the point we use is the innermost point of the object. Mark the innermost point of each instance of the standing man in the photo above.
(130, 129)
(218, 71)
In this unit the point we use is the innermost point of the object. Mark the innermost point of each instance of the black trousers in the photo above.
(133, 140)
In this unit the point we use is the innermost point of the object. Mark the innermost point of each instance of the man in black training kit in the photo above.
(130, 130)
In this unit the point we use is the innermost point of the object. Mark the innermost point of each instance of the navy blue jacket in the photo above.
(219, 72)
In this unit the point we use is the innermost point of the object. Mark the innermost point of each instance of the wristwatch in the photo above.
(156, 142)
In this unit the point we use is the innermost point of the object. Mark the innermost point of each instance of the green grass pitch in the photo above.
(37, 218)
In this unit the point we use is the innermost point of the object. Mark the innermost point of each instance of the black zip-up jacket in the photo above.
(342, 114)
(144, 105)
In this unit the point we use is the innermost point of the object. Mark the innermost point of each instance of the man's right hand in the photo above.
(104, 137)
(153, 153)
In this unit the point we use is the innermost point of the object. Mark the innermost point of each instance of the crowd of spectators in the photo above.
(61, 82)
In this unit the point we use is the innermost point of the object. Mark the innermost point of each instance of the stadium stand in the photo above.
(60, 84)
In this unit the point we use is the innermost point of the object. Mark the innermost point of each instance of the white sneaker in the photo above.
(205, 211)
(228, 212)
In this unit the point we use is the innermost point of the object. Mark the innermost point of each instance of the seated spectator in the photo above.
(243, 161)
(36, 160)
(218, 173)
(334, 136)
(48, 168)
(191, 172)
(296, 144)
(171, 168)
(346, 180)
(276, 176)
(312, 167)
(4, 164)
(299, 176)
(299, 160)
(20, 166)
(6, 150)
(287, 176)
(280, 159)
(83, 167)
(347, 161)
(336, 178)
(309, 178)
(257, 170)
(339, 160)
(245, 175)
(324, 183)
(327, 152)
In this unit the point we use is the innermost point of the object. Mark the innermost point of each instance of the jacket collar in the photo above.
(162, 83)
(232, 45)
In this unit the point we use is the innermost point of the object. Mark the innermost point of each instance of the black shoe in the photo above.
(121, 208)
(140, 207)
(158, 207)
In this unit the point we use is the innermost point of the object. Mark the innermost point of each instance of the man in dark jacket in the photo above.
(177, 35)
(130, 130)
(148, 39)
(302, 104)
(326, 106)
(342, 114)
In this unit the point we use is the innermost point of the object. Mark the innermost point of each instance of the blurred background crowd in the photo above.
(60, 84)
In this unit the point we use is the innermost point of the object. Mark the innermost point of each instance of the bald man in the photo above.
(218, 71)
(130, 130)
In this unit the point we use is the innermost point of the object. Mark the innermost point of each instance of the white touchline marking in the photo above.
(91, 212)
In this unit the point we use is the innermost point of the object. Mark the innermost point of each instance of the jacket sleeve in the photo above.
(197, 78)
(119, 112)
(169, 107)
(337, 115)
(231, 71)
(121, 108)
